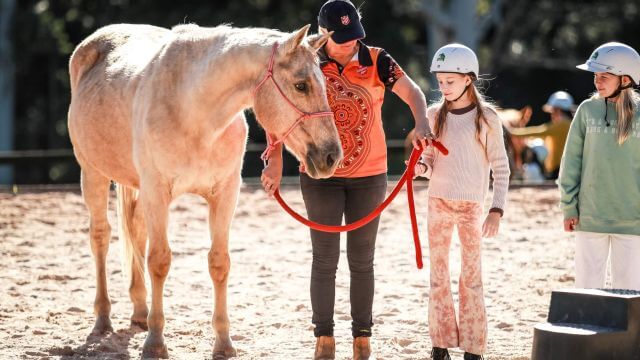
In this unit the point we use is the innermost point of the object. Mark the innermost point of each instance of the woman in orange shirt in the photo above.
(357, 76)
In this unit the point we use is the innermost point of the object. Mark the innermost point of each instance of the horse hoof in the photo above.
(154, 351)
(102, 326)
(223, 350)
(224, 355)
(142, 324)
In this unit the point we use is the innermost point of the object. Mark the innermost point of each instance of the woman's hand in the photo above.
(422, 135)
(491, 225)
(272, 175)
(570, 224)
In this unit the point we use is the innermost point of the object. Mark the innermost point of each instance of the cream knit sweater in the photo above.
(464, 173)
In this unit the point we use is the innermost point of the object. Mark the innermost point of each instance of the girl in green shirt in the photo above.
(600, 172)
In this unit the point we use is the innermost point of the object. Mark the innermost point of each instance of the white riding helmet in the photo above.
(616, 58)
(559, 99)
(455, 58)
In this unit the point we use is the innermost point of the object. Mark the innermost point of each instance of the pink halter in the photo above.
(271, 144)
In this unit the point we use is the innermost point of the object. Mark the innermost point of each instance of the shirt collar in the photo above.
(364, 56)
(463, 110)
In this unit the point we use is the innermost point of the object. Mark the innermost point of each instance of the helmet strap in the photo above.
(463, 92)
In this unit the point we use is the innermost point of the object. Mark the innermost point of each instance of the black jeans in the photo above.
(327, 200)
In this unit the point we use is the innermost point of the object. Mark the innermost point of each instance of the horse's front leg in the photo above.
(155, 199)
(222, 204)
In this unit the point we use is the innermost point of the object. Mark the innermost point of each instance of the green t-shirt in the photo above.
(599, 179)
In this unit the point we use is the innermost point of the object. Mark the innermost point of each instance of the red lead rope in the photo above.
(407, 177)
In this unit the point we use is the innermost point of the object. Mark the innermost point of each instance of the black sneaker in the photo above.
(440, 354)
(470, 356)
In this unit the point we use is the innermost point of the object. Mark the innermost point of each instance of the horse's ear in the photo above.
(317, 41)
(296, 39)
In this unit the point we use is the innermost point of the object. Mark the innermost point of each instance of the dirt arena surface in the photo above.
(47, 280)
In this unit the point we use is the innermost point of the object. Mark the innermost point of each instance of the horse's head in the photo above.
(314, 140)
(514, 118)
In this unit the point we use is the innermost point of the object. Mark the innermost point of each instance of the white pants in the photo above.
(592, 251)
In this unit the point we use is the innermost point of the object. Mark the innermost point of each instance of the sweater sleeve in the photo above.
(427, 158)
(429, 154)
(571, 166)
(498, 160)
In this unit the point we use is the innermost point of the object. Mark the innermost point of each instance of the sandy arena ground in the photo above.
(47, 280)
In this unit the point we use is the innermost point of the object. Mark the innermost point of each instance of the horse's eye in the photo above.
(301, 86)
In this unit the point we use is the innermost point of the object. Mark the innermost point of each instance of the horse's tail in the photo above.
(126, 206)
(84, 57)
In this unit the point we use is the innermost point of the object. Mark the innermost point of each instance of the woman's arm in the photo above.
(410, 93)
(540, 130)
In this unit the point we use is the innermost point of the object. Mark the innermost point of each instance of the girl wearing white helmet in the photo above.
(469, 126)
(600, 172)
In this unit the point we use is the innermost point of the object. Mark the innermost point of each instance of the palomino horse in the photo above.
(159, 112)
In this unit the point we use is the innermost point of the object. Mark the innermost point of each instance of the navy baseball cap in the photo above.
(341, 17)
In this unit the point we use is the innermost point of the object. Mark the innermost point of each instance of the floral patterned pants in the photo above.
(470, 332)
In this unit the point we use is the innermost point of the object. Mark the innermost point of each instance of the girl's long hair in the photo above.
(626, 106)
(478, 99)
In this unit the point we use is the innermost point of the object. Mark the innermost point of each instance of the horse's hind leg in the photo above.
(222, 205)
(95, 191)
(135, 242)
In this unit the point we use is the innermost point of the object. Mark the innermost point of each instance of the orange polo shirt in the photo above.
(356, 93)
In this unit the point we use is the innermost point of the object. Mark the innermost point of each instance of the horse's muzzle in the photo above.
(322, 161)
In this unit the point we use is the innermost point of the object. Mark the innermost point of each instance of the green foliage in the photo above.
(46, 33)
(533, 40)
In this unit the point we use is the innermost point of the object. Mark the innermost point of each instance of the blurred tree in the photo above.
(47, 32)
(462, 21)
(534, 51)
(530, 47)
(446, 21)
(6, 85)
(559, 34)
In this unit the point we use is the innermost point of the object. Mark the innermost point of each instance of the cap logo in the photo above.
(440, 57)
(594, 56)
(345, 20)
